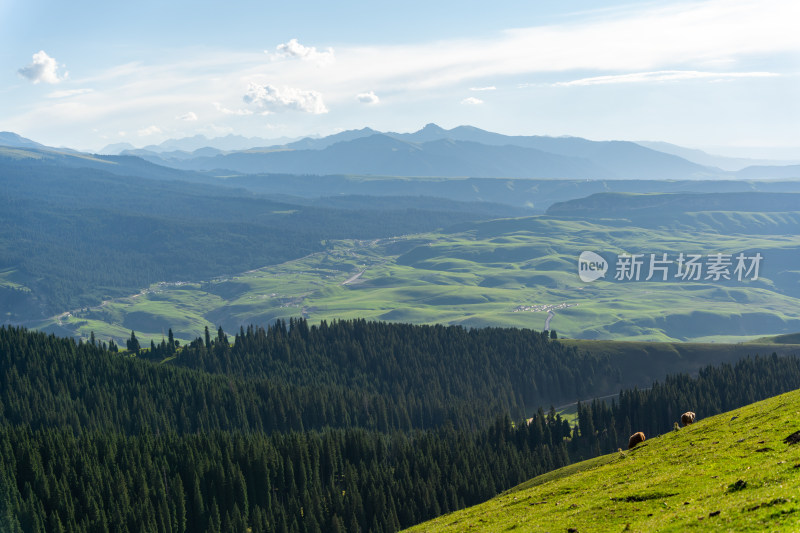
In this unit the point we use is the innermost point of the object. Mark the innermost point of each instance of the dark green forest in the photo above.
(427, 375)
(266, 430)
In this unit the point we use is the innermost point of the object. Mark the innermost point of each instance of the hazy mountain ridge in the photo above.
(771, 172)
(384, 154)
(609, 159)
(463, 151)
(624, 204)
(623, 158)
(229, 142)
(13, 140)
(728, 163)
(120, 165)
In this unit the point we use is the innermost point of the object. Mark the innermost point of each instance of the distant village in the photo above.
(542, 308)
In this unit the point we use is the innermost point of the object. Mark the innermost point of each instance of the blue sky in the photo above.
(715, 74)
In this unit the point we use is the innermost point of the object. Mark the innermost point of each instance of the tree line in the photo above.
(486, 370)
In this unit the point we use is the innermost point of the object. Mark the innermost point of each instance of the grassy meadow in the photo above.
(731, 472)
(503, 273)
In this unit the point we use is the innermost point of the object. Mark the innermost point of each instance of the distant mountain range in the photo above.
(434, 151)
(464, 151)
(16, 150)
(196, 142)
(703, 158)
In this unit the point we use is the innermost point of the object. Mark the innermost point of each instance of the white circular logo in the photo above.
(591, 267)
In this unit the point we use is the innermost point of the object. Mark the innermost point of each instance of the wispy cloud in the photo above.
(697, 36)
(191, 116)
(663, 76)
(237, 112)
(277, 99)
(293, 49)
(69, 93)
(368, 98)
(472, 101)
(490, 88)
(43, 69)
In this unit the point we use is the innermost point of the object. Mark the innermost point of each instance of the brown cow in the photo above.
(687, 418)
(635, 439)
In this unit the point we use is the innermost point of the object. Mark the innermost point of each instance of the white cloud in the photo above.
(663, 76)
(472, 101)
(148, 131)
(191, 116)
(238, 112)
(293, 49)
(43, 69)
(277, 99)
(368, 98)
(68, 93)
(490, 88)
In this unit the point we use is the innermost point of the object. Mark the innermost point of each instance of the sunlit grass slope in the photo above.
(730, 472)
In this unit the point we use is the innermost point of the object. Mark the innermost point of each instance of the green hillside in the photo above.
(503, 273)
(731, 472)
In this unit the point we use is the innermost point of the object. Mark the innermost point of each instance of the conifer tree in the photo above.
(133, 343)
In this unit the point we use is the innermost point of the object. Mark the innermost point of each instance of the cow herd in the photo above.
(638, 437)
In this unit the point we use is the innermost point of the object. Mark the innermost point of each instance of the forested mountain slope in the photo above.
(96, 440)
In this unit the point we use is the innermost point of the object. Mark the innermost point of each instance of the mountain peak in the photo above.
(13, 140)
(432, 128)
(116, 148)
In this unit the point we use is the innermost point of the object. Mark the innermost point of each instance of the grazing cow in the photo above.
(635, 439)
(687, 418)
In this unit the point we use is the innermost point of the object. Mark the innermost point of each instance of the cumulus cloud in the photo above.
(472, 101)
(43, 69)
(293, 49)
(368, 98)
(490, 88)
(277, 99)
(662, 76)
(150, 130)
(191, 116)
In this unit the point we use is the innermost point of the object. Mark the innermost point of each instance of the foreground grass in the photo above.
(731, 472)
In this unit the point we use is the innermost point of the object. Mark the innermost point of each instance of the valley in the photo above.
(479, 275)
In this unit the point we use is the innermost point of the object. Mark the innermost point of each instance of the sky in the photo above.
(721, 75)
